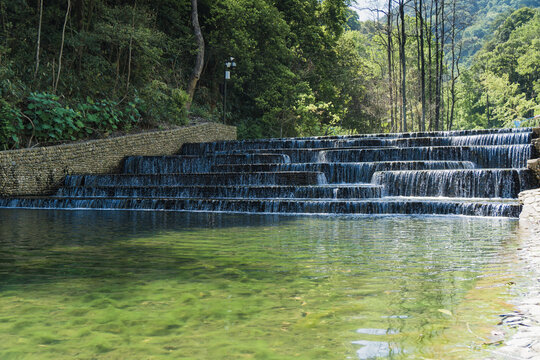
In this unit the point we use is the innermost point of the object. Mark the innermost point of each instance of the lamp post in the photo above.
(229, 65)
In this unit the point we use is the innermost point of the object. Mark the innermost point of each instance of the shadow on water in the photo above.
(39, 246)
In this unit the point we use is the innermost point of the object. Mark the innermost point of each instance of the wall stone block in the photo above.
(40, 171)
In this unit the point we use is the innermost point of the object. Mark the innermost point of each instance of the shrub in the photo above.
(105, 116)
(51, 120)
(11, 125)
(164, 104)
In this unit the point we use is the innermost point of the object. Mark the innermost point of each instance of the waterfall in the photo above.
(478, 183)
(471, 172)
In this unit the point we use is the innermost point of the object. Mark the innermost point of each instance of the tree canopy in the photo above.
(72, 69)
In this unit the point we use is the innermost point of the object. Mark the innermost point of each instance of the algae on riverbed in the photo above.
(111, 285)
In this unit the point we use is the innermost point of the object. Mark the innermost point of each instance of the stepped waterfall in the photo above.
(475, 173)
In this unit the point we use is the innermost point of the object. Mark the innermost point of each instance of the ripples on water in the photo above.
(150, 285)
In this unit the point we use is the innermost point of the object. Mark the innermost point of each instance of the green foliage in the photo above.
(11, 125)
(304, 67)
(284, 51)
(482, 18)
(250, 128)
(143, 54)
(164, 104)
(105, 116)
(204, 112)
(502, 84)
(309, 112)
(50, 119)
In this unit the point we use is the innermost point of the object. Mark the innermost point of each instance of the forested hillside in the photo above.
(74, 69)
(485, 16)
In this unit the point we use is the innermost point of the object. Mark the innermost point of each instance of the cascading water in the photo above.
(473, 172)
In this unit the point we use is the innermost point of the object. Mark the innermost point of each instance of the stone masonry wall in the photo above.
(525, 343)
(530, 199)
(40, 171)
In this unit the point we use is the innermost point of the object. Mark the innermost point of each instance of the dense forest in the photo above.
(77, 69)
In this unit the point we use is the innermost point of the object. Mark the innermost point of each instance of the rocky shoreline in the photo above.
(524, 343)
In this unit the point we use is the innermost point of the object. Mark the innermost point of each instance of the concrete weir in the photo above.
(474, 173)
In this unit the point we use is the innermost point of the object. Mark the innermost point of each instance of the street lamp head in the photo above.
(230, 63)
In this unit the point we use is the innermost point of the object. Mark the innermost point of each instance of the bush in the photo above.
(164, 104)
(105, 116)
(11, 125)
(204, 111)
(51, 120)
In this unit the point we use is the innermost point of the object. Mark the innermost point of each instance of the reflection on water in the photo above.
(372, 349)
(150, 285)
(376, 331)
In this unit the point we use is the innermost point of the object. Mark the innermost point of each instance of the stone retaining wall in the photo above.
(530, 199)
(40, 171)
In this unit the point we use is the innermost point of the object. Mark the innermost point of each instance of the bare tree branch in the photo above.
(62, 46)
(38, 37)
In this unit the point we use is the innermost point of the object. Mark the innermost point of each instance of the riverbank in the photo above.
(524, 322)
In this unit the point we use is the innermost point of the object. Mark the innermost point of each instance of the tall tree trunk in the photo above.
(199, 62)
(487, 110)
(453, 70)
(422, 68)
(441, 63)
(38, 46)
(62, 47)
(418, 66)
(429, 35)
(403, 66)
(437, 69)
(390, 63)
(131, 45)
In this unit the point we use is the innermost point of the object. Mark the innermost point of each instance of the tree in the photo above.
(199, 62)
(68, 9)
(422, 59)
(402, 56)
(38, 43)
(501, 85)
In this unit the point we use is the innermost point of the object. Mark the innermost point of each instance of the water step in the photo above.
(195, 163)
(475, 140)
(472, 132)
(470, 183)
(473, 172)
(247, 192)
(500, 156)
(409, 206)
(258, 178)
(343, 173)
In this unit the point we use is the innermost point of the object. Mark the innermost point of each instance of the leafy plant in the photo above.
(11, 125)
(105, 116)
(204, 111)
(164, 104)
(52, 120)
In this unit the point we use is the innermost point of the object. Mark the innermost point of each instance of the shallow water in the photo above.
(154, 285)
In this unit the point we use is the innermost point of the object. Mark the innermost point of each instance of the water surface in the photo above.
(154, 285)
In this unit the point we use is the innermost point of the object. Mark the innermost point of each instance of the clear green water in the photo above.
(142, 285)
